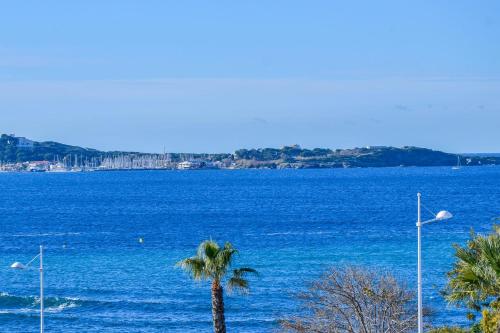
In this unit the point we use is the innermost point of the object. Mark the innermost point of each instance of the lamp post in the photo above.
(442, 215)
(18, 265)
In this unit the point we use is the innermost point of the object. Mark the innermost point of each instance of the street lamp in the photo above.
(442, 215)
(18, 265)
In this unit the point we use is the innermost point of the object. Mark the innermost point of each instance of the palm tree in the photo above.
(212, 262)
(475, 277)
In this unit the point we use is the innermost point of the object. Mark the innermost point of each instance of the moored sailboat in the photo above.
(459, 165)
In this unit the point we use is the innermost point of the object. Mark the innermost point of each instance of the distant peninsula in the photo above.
(22, 154)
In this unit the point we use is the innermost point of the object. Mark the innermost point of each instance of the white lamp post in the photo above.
(442, 215)
(18, 265)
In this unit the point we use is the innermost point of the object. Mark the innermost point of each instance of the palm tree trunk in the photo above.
(218, 308)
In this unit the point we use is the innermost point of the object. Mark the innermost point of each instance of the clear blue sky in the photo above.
(214, 76)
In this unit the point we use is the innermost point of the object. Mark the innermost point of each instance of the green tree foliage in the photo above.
(10, 152)
(8, 148)
(287, 153)
(213, 263)
(475, 279)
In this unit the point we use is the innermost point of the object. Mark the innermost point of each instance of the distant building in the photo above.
(23, 143)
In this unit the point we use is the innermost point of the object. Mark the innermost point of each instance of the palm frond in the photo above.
(224, 259)
(244, 271)
(194, 266)
(238, 281)
(208, 249)
(475, 277)
(213, 262)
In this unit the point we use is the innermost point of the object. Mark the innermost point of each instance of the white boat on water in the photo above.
(188, 165)
(58, 167)
(459, 165)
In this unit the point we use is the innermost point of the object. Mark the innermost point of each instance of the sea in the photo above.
(290, 225)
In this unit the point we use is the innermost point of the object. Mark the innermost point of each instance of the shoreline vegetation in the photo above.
(352, 299)
(18, 154)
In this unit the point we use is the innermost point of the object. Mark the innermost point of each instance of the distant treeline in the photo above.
(286, 153)
(14, 149)
(378, 156)
(11, 152)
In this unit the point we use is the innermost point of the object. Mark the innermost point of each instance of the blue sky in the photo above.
(214, 76)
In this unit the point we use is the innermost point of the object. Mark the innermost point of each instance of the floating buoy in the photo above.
(141, 240)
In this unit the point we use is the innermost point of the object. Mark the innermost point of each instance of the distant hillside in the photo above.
(14, 149)
(296, 157)
(18, 149)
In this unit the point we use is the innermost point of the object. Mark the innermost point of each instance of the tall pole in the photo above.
(419, 269)
(41, 289)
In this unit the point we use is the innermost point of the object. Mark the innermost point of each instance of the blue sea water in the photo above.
(291, 225)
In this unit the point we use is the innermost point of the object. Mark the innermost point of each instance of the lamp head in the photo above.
(443, 215)
(17, 265)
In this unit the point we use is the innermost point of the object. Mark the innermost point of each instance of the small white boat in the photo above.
(58, 167)
(458, 166)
